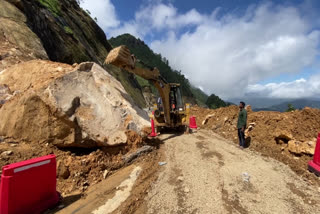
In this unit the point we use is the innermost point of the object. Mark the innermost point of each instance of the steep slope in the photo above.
(60, 31)
(67, 32)
(17, 42)
(145, 54)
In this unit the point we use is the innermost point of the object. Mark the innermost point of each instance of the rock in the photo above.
(132, 126)
(186, 190)
(248, 108)
(162, 163)
(67, 32)
(250, 128)
(105, 173)
(205, 121)
(18, 42)
(6, 153)
(180, 178)
(117, 138)
(68, 107)
(298, 147)
(282, 136)
(129, 157)
(5, 94)
(62, 170)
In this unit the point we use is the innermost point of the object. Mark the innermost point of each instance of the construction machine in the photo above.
(170, 112)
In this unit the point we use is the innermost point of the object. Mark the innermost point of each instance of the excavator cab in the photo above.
(172, 113)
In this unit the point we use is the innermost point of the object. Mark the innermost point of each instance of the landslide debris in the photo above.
(80, 113)
(77, 168)
(81, 106)
(289, 137)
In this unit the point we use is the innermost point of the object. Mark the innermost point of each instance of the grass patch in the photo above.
(52, 5)
(67, 29)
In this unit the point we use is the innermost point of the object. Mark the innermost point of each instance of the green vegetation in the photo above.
(214, 102)
(53, 6)
(67, 29)
(290, 108)
(151, 59)
(201, 97)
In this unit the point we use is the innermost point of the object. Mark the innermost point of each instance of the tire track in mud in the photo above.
(231, 204)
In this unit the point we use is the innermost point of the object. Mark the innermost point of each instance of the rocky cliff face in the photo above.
(17, 42)
(67, 33)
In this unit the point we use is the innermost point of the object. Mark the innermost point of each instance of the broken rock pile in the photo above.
(67, 106)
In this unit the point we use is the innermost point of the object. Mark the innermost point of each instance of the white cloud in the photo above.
(228, 54)
(103, 10)
(296, 89)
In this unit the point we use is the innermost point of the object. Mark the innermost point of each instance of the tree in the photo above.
(214, 102)
(290, 108)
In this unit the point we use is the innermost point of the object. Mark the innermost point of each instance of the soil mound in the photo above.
(289, 137)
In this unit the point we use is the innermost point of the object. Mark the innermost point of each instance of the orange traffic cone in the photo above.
(192, 123)
(314, 165)
(153, 132)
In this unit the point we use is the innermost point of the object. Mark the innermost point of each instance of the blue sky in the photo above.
(232, 48)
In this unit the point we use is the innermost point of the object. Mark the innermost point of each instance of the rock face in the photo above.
(81, 106)
(66, 31)
(17, 42)
(5, 94)
(60, 31)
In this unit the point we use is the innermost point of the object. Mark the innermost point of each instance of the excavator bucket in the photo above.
(120, 57)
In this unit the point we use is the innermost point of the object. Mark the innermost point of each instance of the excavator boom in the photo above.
(122, 58)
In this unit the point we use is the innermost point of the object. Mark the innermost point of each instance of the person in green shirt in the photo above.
(242, 124)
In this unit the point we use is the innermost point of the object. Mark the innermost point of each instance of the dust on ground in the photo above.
(271, 133)
(77, 168)
(206, 173)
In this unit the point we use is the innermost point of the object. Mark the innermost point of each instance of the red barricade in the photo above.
(192, 123)
(314, 165)
(29, 186)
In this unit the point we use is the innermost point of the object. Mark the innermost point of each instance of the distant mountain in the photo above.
(215, 102)
(298, 104)
(258, 102)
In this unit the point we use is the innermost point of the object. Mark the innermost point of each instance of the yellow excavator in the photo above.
(169, 112)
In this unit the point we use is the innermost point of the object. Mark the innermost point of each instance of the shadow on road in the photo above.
(247, 142)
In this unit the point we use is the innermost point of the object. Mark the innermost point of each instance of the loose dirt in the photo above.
(209, 174)
(271, 133)
(77, 169)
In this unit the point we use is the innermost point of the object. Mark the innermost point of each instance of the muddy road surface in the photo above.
(208, 174)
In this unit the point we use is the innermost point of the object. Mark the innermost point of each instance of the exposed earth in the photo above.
(202, 173)
(58, 97)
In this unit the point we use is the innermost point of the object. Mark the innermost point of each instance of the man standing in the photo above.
(242, 124)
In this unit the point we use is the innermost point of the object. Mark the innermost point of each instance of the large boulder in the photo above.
(80, 106)
(299, 148)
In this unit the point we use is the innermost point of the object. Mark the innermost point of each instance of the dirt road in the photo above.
(207, 174)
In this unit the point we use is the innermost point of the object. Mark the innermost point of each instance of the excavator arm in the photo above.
(122, 58)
